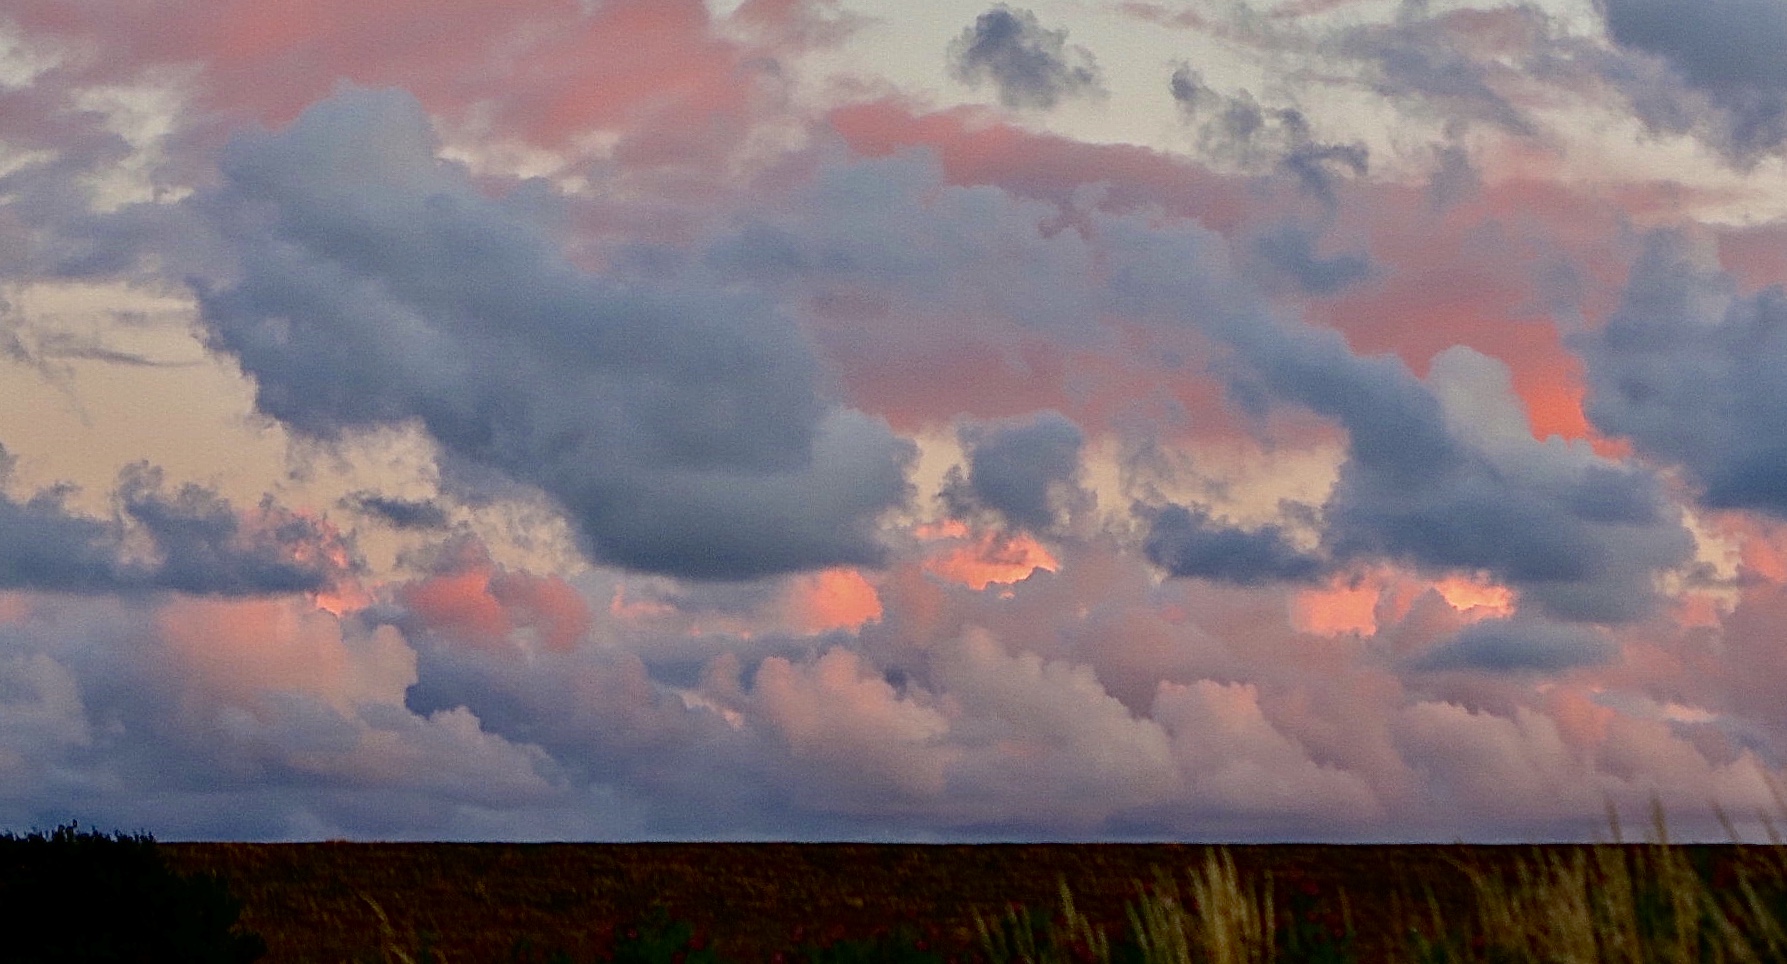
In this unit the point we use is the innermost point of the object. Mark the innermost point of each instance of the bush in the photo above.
(73, 896)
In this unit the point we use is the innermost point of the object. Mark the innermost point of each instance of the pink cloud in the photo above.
(1236, 761)
(239, 651)
(833, 599)
(481, 603)
(657, 71)
(845, 719)
(976, 148)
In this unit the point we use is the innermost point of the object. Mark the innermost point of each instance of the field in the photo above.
(340, 902)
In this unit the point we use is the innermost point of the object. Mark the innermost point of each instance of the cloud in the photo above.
(1688, 369)
(1188, 542)
(1291, 249)
(409, 514)
(1226, 747)
(189, 541)
(1445, 475)
(1516, 646)
(671, 82)
(1727, 51)
(854, 729)
(1047, 730)
(681, 341)
(204, 546)
(1459, 61)
(472, 600)
(260, 718)
(680, 428)
(1236, 129)
(1031, 67)
(1027, 470)
(1470, 489)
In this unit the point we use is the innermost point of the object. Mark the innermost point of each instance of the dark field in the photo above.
(475, 902)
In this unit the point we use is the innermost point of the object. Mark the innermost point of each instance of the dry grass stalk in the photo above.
(1227, 922)
(1070, 938)
(392, 947)
(1619, 904)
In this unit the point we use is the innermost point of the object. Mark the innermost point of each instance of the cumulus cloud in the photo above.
(1030, 65)
(263, 718)
(1726, 50)
(1518, 645)
(1446, 475)
(1442, 474)
(1224, 744)
(1292, 250)
(1688, 369)
(1027, 471)
(659, 338)
(190, 540)
(470, 599)
(1188, 542)
(681, 429)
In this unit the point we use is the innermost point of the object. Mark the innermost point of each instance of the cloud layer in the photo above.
(632, 420)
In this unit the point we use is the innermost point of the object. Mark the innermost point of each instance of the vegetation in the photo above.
(73, 896)
(1613, 904)
(1655, 903)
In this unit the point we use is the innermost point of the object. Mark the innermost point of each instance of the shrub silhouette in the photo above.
(70, 896)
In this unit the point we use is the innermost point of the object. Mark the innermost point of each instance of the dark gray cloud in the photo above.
(1029, 65)
(1238, 129)
(679, 425)
(203, 545)
(1188, 542)
(1518, 645)
(1690, 371)
(1727, 50)
(190, 541)
(398, 513)
(44, 546)
(1580, 537)
(1319, 167)
(1440, 486)
(1026, 471)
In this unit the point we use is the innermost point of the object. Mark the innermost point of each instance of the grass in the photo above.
(1608, 904)
(1618, 904)
(1656, 902)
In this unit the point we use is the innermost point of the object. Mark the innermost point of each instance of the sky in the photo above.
(900, 420)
